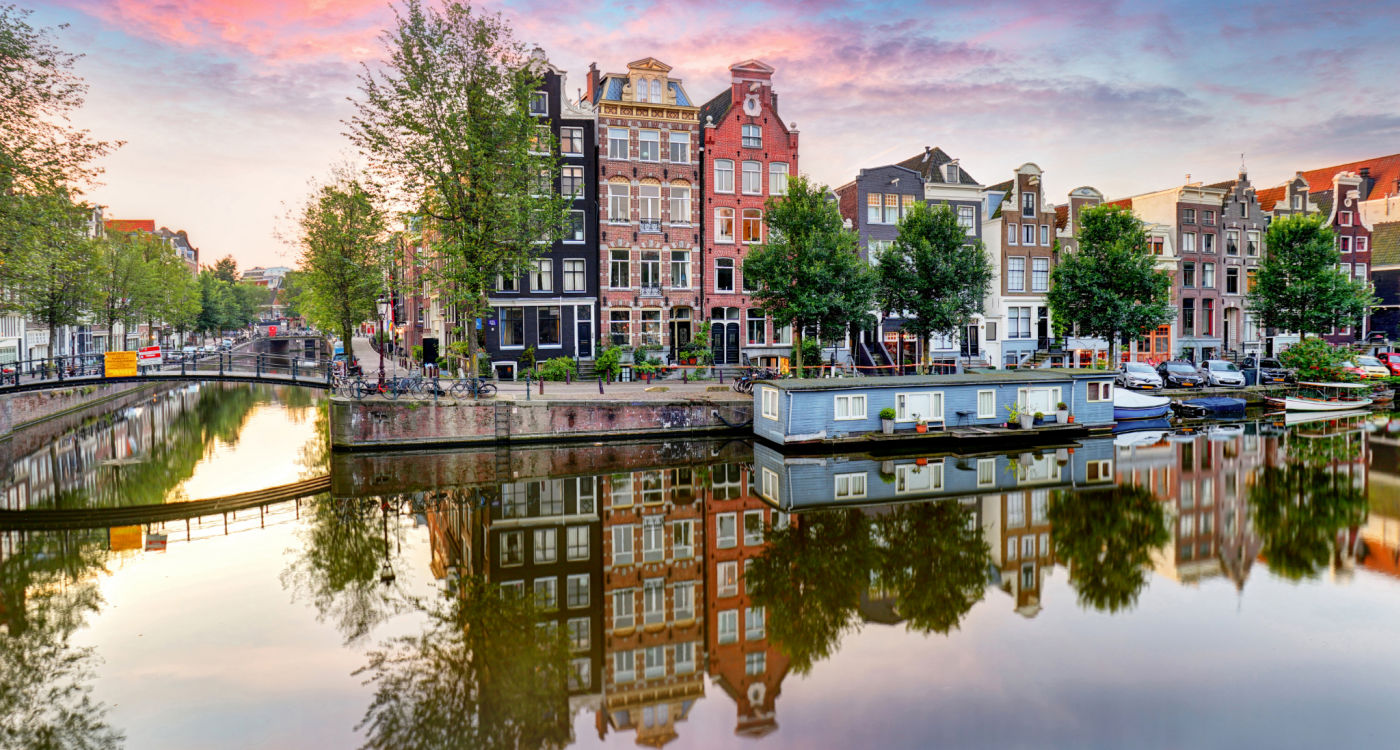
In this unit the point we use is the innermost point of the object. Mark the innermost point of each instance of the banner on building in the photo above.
(120, 364)
(148, 355)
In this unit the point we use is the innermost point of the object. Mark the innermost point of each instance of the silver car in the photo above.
(1221, 373)
(1138, 376)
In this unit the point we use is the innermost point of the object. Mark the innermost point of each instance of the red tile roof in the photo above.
(130, 225)
(1121, 203)
(1268, 197)
(1061, 216)
(1385, 170)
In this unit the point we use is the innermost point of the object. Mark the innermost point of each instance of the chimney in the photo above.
(593, 82)
(1366, 182)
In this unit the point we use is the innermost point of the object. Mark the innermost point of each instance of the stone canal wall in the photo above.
(23, 409)
(383, 424)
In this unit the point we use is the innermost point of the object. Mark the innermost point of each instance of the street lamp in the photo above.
(379, 333)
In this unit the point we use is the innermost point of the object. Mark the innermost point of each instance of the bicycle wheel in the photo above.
(357, 390)
(486, 389)
(392, 389)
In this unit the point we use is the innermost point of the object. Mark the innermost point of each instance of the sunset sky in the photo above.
(228, 108)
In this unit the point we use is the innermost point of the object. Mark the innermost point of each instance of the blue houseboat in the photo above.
(967, 404)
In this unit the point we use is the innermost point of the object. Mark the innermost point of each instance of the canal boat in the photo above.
(1324, 397)
(1130, 405)
(1216, 406)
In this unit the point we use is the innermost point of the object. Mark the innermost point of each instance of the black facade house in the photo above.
(1385, 275)
(552, 309)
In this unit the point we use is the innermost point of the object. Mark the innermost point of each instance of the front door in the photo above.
(1042, 323)
(584, 316)
(731, 349)
(971, 347)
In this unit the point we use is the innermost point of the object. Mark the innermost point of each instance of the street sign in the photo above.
(120, 364)
(155, 542)
(271, 331)
(148, 355)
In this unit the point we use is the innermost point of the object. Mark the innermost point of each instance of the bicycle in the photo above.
(474, 387)
(744, 383)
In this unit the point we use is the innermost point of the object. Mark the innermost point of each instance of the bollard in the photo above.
(541, 383)
(685, 376)
(600, 384)
(720, 370)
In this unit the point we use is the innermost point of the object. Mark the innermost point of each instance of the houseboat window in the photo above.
(909, 478)
(986, 472)
(850, 407)
(1100, 391)
(986, 404)
(769, 397)
(850, 486)
(770, 485)
(913, 406)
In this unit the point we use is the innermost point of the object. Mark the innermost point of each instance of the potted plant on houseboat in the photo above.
(887, 420)
(1027, 420)
(1039, 417)
(920, 424)
(1013, 416)
(1062, 413)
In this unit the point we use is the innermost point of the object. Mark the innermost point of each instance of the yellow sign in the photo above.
(121, 364)
(124, 537)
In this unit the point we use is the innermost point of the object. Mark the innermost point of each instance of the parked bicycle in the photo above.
(744, 383)
(474, 387)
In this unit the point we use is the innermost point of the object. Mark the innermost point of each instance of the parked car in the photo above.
(1271, 371)
(1392, 361)
(1220, 372)
(1370, 367)
(210, 349)
(1138, 375)
(1179, 373)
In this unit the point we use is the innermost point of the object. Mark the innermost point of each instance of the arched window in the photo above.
(656, 91)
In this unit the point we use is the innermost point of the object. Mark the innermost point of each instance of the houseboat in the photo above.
(971, 406)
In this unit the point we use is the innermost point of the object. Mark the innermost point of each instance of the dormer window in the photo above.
(953, 173)
(539, 104)
(752, 136)
(655, 91)
(1297, 202)
(1028, 204)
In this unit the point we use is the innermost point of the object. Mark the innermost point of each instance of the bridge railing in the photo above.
(92, 367)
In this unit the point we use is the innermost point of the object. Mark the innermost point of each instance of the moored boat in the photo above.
(1130, 405)
(1324, 397)
(1217, 406)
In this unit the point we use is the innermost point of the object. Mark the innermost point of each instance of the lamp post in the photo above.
(379, 333)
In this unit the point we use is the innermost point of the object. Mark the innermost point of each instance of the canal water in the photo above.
(1228, 585)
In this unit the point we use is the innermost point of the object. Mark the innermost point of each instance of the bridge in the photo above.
(136, 515)
(231, 367)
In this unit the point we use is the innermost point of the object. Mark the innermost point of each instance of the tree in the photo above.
(216, 303)
(226, 270)
(1107, 537)
(341, 235)
(1299, 508)
(934, 561)
(50, 269)
(933, 273)
(249, 299)
(446, 122)
(1299, 286)
(123, 277)
(1110, 286)
(809, 275)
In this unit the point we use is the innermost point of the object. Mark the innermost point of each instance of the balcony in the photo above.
(650, 226)
(651, 291)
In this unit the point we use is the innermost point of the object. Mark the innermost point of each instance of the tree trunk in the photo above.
(796, 350)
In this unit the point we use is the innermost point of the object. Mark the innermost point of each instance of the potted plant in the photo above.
(1027, 420)
(1062, 413)
(920, 424)
(887, 420)
(1013, 416)
(1039, 417)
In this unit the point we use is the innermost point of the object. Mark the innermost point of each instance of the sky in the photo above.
(230, 108)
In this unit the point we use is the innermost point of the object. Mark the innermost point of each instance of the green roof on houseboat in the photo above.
(970, 377)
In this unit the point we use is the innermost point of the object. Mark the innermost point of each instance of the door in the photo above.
(717, 342)
(583, 315)
(971, 347)
(731, 349)
(1042, 323)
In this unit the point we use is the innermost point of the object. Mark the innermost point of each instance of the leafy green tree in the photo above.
(216, 303)
(292, 295)
(50, 269)
(1316, 360)
(446, 121)
(123, 275)
(225, 269)
(934, 561)
(933, 273)
(1107, 538)
(1110, 287)
(809, 274)
(343, 253)
(249, 301)
(1300, 286)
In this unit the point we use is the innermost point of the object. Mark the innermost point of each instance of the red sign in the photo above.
(272, 331)
(148, 355)
(155, 542)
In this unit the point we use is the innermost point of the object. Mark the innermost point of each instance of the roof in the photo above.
(970, 377)
(930, 163)
(1061, 216)
(1005, 189)
(678, 93)
(1385, 244)
(716, 108)
(130, 225)
(1269, 197)
(1385, 170)
(1324, 202)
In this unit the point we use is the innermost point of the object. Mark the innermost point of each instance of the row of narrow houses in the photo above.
(669, 194)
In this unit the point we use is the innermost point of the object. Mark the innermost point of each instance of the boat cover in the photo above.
(1218, 405)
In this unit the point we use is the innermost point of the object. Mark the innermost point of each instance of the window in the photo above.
(622, 545)
(850, 407)
(512, 326)
(777, 178)
(1188, 316)
(620, 269)
(726, 530)
(549, 326)
(683, 539)
(547, 593)
(617, 143)
(1207, 242)
(769, 399)
(1207, 317)
(850, 486)
(624, 609)
(914, 478)
(986, 472)
(1250, 279)
(891, 208)
(986, 404)
(911, 406)
(753, 177)
(1018, 323)
(649, 145)
(952, 171)
(542, 275)
(681, 269)
(753, 624)
(1040, 274)
(576, 591)
(967, 218)
(1188, 275)
(1232, 242)
(679, 144)
(757, 326)
(729, 626)
(906, 205)
(724, 225)
(513, 548)
(685, 656)
(991, 330)
(754, 663)
(724, 274)
(1344, 217)
(571, 141)
(1188, 216)
(539, 103)
(653, 601)
(1359, 271)
(577, 543)
(752, 136)
(1207, 275)
(1011, 234)
(624, 665)
(578, 634)
(649, 206)
(1100, 392)
(1360, 244)
(505, 283)
(1028, 205)
(752, 226)
(1232, 280)
(1045, 235)
(1188, 242)
(770, 485)
(1027, 234)
(576, 227)
(872, 208)
(1016, 274)
(620, 326)
(727, 579)
(573, 275)
(753, 527)
(542, 184)
(651, 328)
(619, 200)
(680, 203)
(1297, 202)
(1208, 218)
(724, 176)
(545, 549)
(571, 180)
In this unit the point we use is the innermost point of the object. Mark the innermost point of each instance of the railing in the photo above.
(52, 372)
(650, 226)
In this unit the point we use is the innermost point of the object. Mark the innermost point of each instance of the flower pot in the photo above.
(1062, 416)
(887, 426)
(921, 462)
(1071, 419)
(920, 428)
(1027, 421)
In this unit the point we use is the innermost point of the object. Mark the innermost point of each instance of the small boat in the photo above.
(1323, 397)
(1216, 406)
(1140, 433)
(1130, 405)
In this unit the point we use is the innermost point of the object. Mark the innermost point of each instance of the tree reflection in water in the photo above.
(481, 674)
(934, 561)
(1299, 508)
(1106, 537)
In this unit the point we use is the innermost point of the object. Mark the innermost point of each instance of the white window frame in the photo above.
(730, 540)
(751, 169)
(851, 486)
(727, 578)
(574, 583)
(751, 540)
(1028, 235)
(1044, 285)
(623, 545)
(1018, 276)
(727, 626)
(679, 199)
(903, 473)
(619, 212)
(619, 135)
(990, 413)
(904, 414)
(1103, 392)
(986, 472)
(768, 400)
(624, 614)
(777, 178)
(1012, 234)
(755, 623)
(678, 138)
(855, 407)
(645, 137)
(724, 238)
(724, 175)
(769, 484)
